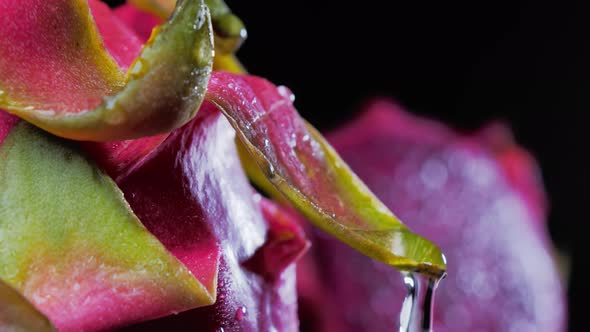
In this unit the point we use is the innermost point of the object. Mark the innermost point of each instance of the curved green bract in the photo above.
(18, 315)
(383, 236)
(229, 29)
(372, 242)
(310, 175)
(72, 246)
(163, 90)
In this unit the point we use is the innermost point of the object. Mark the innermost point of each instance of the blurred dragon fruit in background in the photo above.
(478, 197)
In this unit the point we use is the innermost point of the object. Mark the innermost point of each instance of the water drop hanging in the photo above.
(428, 305)
(405, 317)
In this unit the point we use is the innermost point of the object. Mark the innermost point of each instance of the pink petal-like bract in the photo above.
(193, 195)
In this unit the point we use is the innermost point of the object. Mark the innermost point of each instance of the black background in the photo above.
(463, 62)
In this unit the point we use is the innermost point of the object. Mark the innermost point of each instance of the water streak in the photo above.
(428, 305)
(405, 317)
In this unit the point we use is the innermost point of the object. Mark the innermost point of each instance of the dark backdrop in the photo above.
(463, 62)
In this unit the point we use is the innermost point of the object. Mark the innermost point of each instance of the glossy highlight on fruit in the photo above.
(193, 195)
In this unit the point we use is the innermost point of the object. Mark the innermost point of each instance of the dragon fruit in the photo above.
(476, 196)
(138, 214)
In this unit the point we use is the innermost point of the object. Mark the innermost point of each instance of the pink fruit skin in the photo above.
(193, 195)
(458, 191)
(123, 45)
(141, 22)
(40, 59)
(519, 167)
(7, 121)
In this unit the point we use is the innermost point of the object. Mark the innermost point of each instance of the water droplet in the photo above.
(220, 329)
(137, 68)
(286, 93)
(292, 141)
(270, 171)
(199, 21)
(243, 33)
(240, 313)
(405, 317)
(110, 103)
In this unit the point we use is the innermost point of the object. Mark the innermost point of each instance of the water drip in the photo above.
(405, 317)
